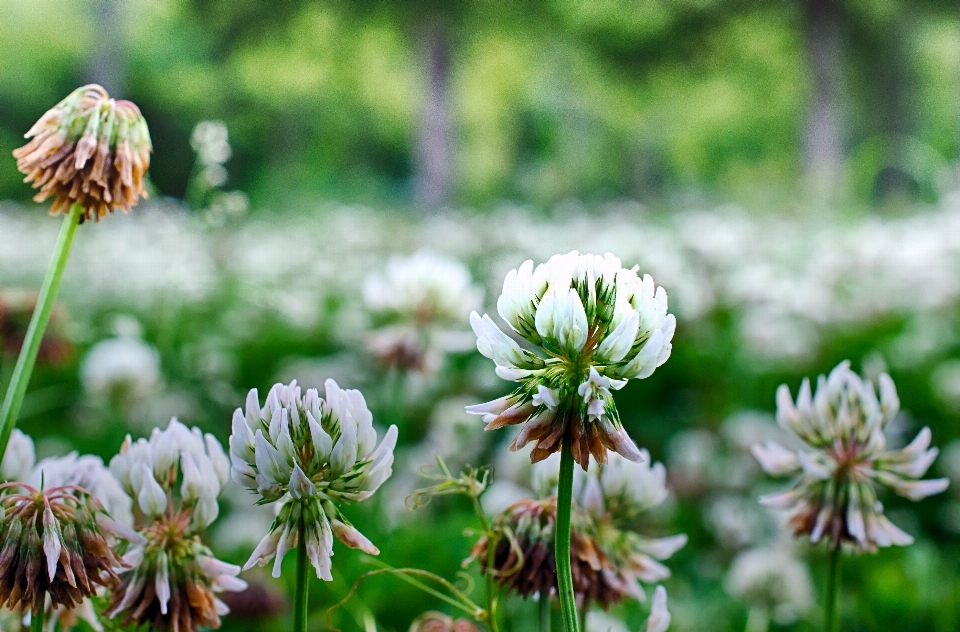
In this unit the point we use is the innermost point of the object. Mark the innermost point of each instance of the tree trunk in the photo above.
(433, 168)
(823, 135)
(107, 65)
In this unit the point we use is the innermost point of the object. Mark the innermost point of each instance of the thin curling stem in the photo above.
(13, 399)
(568, 604)
(303, 576)
(831, 602)
(544, 611)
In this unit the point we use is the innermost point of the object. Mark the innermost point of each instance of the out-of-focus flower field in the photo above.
(164, 313)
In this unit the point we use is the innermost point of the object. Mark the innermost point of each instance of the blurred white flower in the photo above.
(774, 580)
(595, 325)
(210, 141)
(600, 621)
(19, 458)
(126, 368)
(308, 454)
(844, 456)
(419, 305)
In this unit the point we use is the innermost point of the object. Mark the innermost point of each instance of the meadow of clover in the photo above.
(458, 317)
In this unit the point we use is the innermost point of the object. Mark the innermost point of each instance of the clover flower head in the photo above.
(612, 497)
(174, 478)
(843, 459)
(89, 473)
(19, 458)
(772, 579)
(309, 454)
(88, 149)
(126, 369)
(55, 542)
(418, 306)
(592, 325)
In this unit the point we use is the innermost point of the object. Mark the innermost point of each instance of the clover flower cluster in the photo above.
(418, 306)
(55, 542)
(88, 149)
(610, 560)
(174, 478)
(844, 457)
(773, 579)
(594, 325)
(309, 454)
(614, 496)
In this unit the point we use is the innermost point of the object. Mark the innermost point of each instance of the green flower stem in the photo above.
(544, 613)
(568, 604)
(36, 621)
(492, 592)
(831, 602)
(303, 576)
(13, 399)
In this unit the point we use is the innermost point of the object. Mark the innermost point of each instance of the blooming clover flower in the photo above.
(418, 306)
(309, 454)
(88, 149)
(594, 326)
(843, 458)
(173, 576)
(55, 543)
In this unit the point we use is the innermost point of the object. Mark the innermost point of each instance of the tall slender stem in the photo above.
(36, 621)
(492, 592)
(568, 604)
(545, 611)
(831, 601)
(38, 324)
(303, 576)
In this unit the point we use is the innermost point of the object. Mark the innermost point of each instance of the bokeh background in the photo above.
(788, 171)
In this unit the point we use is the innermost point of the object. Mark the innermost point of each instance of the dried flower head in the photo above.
(175, 478)
(309, 454)
(843, 458)
(594, 325)
(54, 543)
(90, 150)
(439, 622)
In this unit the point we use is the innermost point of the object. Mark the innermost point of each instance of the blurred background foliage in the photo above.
(465, 102)
(626, 125)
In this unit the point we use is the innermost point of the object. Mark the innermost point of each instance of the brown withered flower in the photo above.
(439, 622)
(54, 542)
(90, 150)
(525, 561)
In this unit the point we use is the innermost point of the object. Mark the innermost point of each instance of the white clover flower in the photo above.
(774, 580)
(126, 367)
(594, 325)
(19, 458)
(309, 454)
(88, 472)
(844, 456)
(174, 479)
(418, 306)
